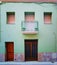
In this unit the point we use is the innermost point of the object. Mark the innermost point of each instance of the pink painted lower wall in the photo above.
(2, 57)
(47, 57)
(42, 57)
(19, 57)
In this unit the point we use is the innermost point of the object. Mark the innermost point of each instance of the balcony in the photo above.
(29, 27)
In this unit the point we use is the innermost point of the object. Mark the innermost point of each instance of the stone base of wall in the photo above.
(2, 57)
(42, 57)
(19, 57)
(47, 57)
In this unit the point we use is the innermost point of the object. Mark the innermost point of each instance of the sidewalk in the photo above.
(28, 63)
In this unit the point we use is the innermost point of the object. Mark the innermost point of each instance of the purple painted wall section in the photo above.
(19, 57)
(47, 57)
(2, 57)
(42, 57)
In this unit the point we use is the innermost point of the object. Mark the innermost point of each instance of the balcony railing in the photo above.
(30, 27)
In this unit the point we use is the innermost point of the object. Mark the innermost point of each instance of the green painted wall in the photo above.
(0, 31)
(0, 22)
(47, 34)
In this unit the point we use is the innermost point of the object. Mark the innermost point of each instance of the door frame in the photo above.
(37, 47)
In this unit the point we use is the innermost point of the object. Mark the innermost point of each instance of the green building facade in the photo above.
(28, 31)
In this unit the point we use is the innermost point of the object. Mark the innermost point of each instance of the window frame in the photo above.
(48, 14)
(29, 13)
(10, 13)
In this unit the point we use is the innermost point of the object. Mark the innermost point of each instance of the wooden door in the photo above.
(31, 50)
(9, 51)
